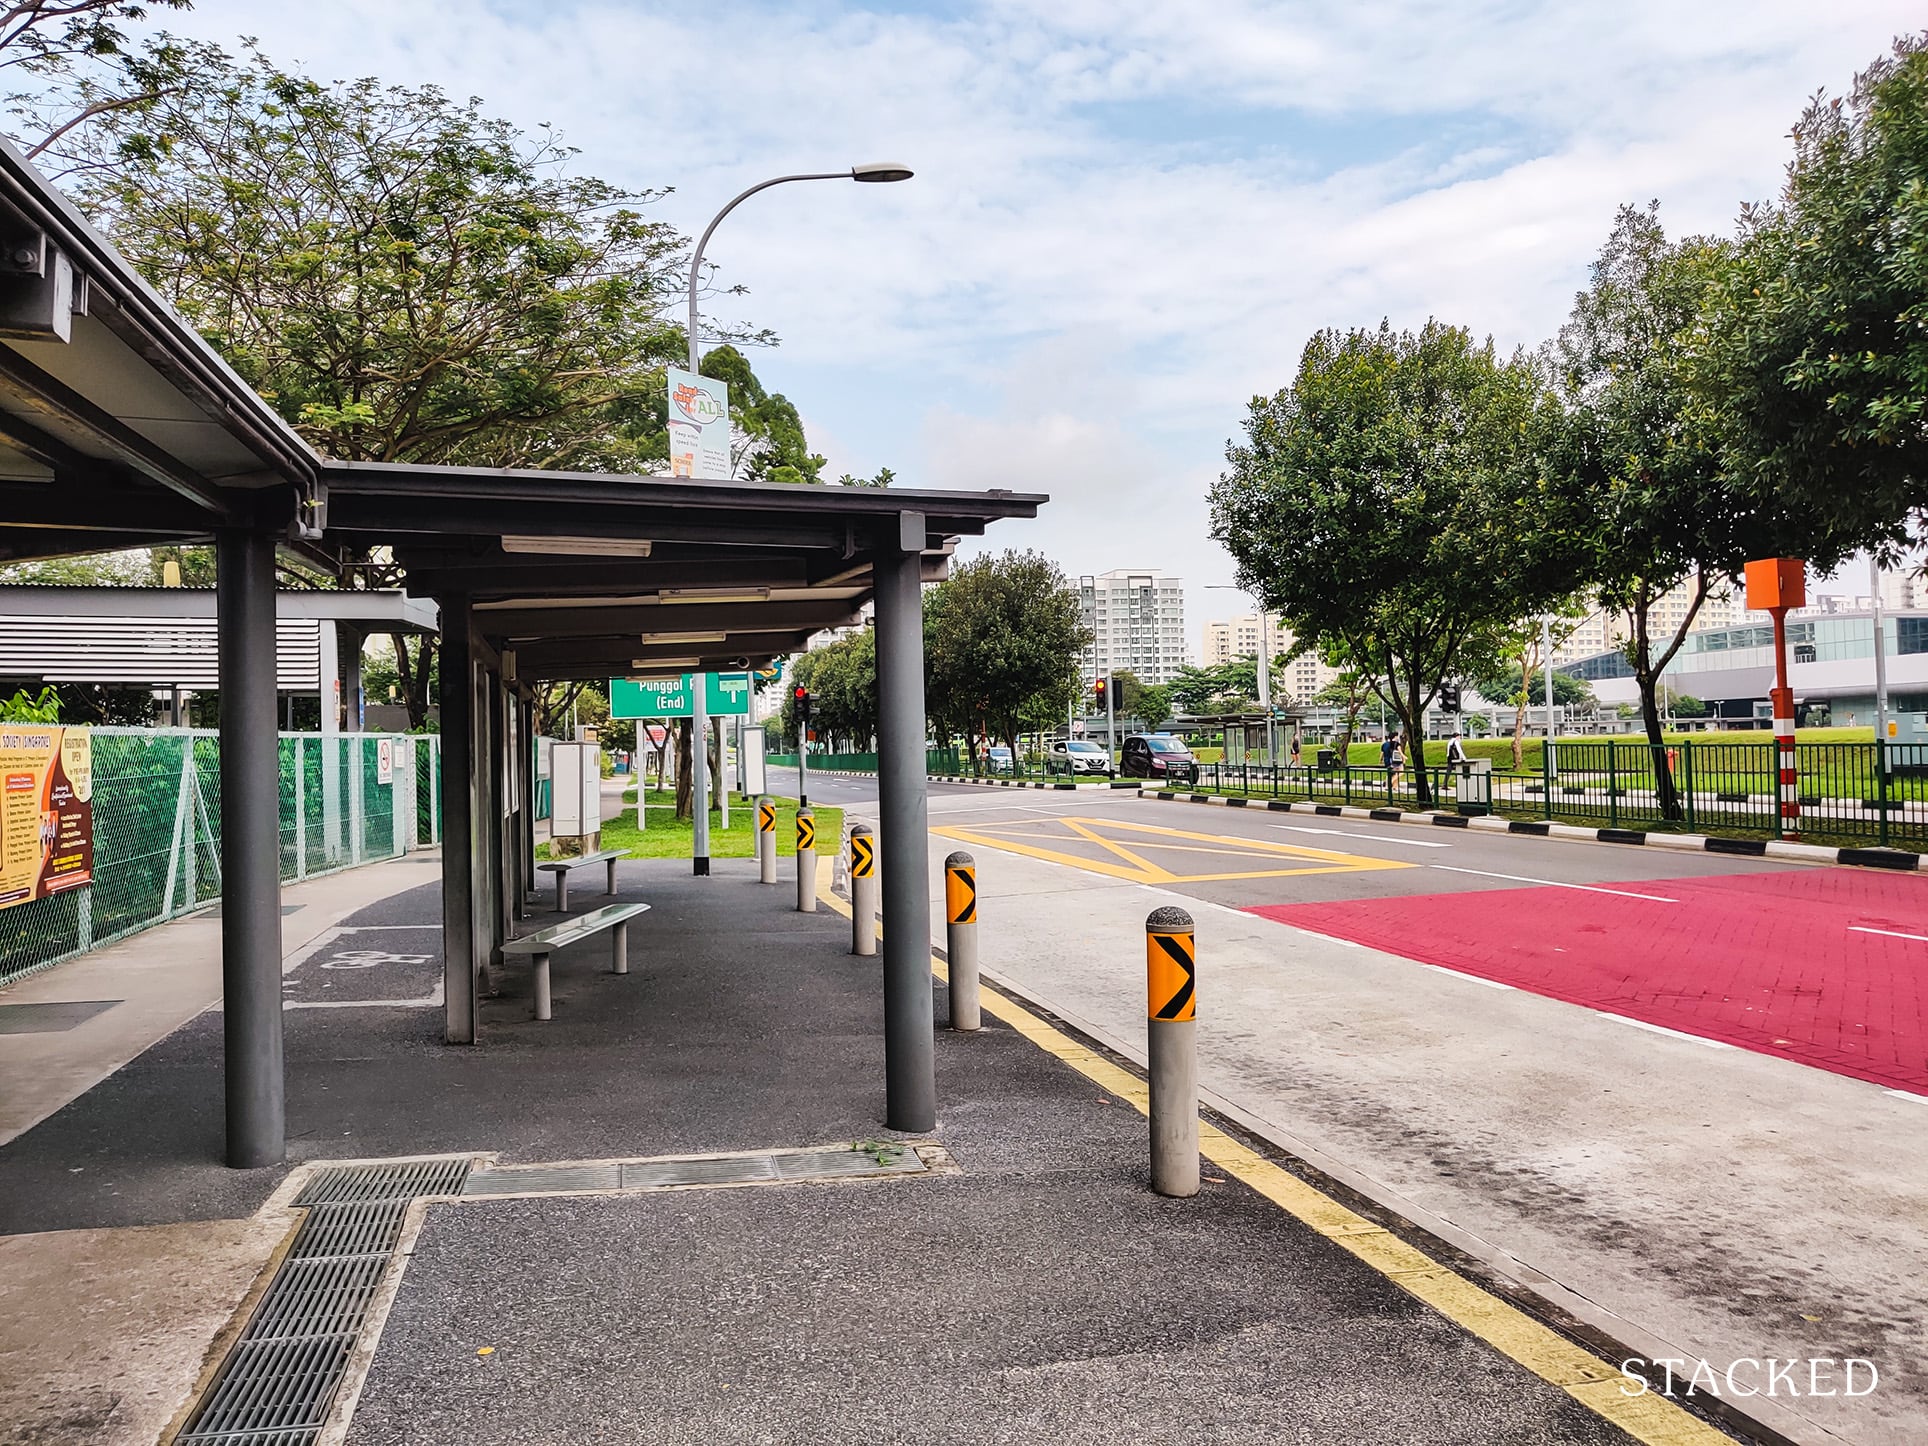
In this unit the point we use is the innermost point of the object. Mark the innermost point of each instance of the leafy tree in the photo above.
(403, 277)
(883, 478)
(766, 433)
(1003, 637)
(1811, 361)
(24, 707)
(842, 679)
(1154, 706)
(1636, 480)
(1385, 503)
(1228, 687)
(1516, 669)
(77, 53)
(1347, 692)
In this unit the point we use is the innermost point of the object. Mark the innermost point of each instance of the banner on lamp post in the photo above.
(699, 426)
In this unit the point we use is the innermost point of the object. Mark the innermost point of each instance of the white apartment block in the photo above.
(1299, 679)
(1137, 621)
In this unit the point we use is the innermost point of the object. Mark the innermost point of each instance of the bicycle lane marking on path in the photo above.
(1789, 965)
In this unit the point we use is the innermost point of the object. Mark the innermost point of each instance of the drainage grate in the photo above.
(750, 1169)
(276, 1385)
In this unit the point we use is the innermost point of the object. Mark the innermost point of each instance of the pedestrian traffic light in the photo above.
(1449, 697)
(1100, 691)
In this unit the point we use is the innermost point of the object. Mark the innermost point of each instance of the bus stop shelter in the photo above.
(120, 427)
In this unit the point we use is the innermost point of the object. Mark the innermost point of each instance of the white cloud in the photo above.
(1128, 214)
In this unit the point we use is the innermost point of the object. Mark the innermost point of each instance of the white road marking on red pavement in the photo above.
(1470, 978)
(1556, 884)
(1662, 1029)
(1418, 843)
(1890, 933)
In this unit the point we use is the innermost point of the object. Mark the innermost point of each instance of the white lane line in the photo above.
(1469, 978)
(1662, 1029)
(1556, 884)
(1890, 933)
(1418, 843)
(1908, 1095)
(1197, 902)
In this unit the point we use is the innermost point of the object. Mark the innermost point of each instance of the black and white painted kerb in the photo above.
(1877, 858)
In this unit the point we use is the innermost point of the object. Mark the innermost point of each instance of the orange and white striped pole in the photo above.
(1774, 585)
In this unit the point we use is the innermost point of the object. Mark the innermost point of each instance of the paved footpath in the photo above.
(1038, 1290)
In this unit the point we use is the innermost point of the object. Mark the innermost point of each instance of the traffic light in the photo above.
(801, 696)
(1100, 691)
(1449, 697)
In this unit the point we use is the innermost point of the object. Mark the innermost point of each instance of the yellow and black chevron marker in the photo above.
(1170, 966)
(806, 831)
(960, 890)
(766, 817)
(863, 856)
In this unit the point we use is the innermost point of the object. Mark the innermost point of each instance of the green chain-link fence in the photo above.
(157, 829)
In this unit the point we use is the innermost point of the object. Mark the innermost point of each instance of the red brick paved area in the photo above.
(1773, 962)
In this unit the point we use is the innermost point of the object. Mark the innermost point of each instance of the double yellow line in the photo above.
(1645, 1416)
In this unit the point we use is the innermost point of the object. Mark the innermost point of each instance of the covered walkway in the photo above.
(120, 427)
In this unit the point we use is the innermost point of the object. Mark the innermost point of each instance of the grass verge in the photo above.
(665, 836)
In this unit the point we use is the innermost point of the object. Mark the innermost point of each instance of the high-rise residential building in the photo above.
(1137, 621)
(1295, 679)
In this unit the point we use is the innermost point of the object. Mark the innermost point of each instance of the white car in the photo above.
(1076, 755)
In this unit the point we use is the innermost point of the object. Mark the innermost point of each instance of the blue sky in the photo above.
(1128, 214)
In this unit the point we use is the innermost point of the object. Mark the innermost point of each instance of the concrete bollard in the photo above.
(1171, 1002)
(766, 840)
(960, 913)
(806, 861)
(863, 890)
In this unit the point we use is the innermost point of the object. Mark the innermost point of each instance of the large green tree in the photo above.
(1636, 479)
(1811, 356)
(1387, 502)
(1002, 641)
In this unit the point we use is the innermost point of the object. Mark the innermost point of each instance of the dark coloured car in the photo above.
(1153, 755)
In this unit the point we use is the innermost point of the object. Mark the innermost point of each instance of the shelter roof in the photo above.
(121, 427)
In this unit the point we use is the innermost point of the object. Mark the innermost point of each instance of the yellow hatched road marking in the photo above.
(1648, 1418)
(1132, 864)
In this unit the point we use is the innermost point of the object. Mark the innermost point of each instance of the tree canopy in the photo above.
(1386, 502)
(1811, 356)
(1002, 641)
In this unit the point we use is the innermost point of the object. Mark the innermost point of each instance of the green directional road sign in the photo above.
(725, 695)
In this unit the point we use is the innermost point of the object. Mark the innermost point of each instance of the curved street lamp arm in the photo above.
(696, 261)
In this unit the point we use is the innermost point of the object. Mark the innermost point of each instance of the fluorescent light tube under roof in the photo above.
(684, 637)
(713, 594)
(663, 665)
(580, 546)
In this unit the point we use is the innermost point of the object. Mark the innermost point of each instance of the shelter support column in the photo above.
(909, 1064)
(458, 820)
(250, 850)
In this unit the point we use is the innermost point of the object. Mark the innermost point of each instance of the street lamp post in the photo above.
(872, 172)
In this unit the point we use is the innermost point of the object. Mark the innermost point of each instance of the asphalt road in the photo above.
(1711, 1201)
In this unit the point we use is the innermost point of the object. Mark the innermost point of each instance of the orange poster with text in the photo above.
(46, 810)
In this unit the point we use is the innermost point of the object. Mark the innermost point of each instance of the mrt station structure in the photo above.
(120, 427)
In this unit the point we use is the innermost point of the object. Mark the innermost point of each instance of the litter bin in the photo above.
(1328, 760)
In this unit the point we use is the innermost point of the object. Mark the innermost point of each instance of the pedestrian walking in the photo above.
(1456, 753)
(1385, 752)
(1395, 760)
(1294, 760)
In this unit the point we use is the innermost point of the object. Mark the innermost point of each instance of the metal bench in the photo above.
(541, 944)
(560, 868)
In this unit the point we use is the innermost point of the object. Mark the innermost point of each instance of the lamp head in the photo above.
(879, 171)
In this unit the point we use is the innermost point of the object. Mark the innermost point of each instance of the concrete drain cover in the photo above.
(762, 1168)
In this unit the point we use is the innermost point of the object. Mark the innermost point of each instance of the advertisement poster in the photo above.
(46, 810)
(699, 427)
